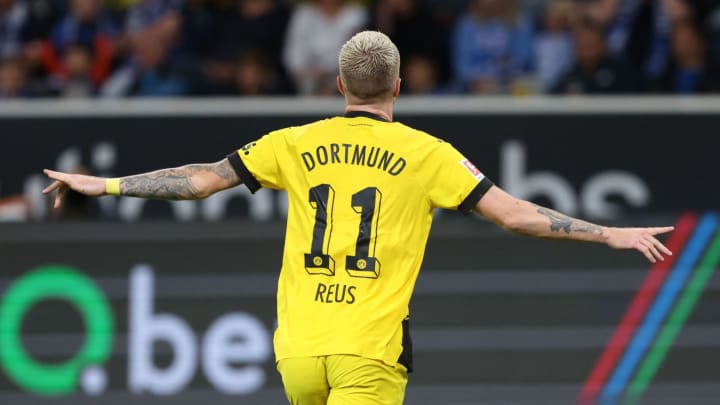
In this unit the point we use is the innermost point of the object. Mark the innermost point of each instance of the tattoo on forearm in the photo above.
(561, 222)
(176, 183)
(168, 184)
(224, 170)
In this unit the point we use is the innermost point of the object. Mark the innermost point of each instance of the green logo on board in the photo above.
(66, 283)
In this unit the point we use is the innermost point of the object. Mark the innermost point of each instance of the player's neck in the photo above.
(382, 110)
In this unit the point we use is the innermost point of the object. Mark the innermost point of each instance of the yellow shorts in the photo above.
(342, 380)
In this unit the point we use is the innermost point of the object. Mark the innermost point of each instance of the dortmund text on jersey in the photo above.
(361, 196)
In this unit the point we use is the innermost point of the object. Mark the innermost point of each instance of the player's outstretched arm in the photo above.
(190, 182)
(520, 216)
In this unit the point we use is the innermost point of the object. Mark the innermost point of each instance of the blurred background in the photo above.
(156, 48)
(602, 109)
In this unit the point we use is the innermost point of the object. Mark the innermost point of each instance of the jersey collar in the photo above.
(366, 114)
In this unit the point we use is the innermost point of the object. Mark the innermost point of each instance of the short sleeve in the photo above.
(257, 163)
(452, 181)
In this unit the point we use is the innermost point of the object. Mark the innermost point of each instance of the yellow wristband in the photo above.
(112, 186)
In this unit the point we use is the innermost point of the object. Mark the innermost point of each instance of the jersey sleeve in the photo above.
(257, 162)
(452, 181)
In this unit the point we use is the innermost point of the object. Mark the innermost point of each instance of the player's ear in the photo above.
(340, 85)
(396, 90)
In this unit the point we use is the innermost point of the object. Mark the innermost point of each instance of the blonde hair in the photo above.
(369, 65)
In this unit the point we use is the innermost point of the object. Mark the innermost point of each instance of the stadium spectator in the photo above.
(492, 45)
(553, 44)
(14, 16)
(691, 71)
(638, 31)
(416, 31)
(150, 72)
(595, 71)
(77, 79)
(159, 18)
(24, 21)
(252, 75)
(80, 50)
(13, 79)
(420, 75)
(315, 34)
(249, 25)
(706, 14)
(23, 24)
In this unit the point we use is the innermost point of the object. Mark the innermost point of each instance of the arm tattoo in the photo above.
(225, 171)
(176, 183)
(567, 224)
(167, 184)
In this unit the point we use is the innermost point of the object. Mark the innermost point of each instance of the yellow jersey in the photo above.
(361, 192)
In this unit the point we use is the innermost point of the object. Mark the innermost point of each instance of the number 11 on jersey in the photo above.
(318, 261)
(363, 264)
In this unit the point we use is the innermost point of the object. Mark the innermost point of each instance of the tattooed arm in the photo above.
(188, 182)
(526, 218)
(562, 223)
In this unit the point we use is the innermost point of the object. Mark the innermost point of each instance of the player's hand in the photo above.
(641, 239)
(88, 185)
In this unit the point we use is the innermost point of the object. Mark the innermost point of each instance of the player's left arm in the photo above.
(189, 182)
(524, 217)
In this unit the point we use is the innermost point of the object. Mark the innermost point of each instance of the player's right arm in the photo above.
(524, 217)
(189, 182)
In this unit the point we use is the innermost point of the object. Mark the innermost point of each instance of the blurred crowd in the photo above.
(157, 48)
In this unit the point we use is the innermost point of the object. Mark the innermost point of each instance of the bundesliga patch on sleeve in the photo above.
(472, 169)
(246, 148)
